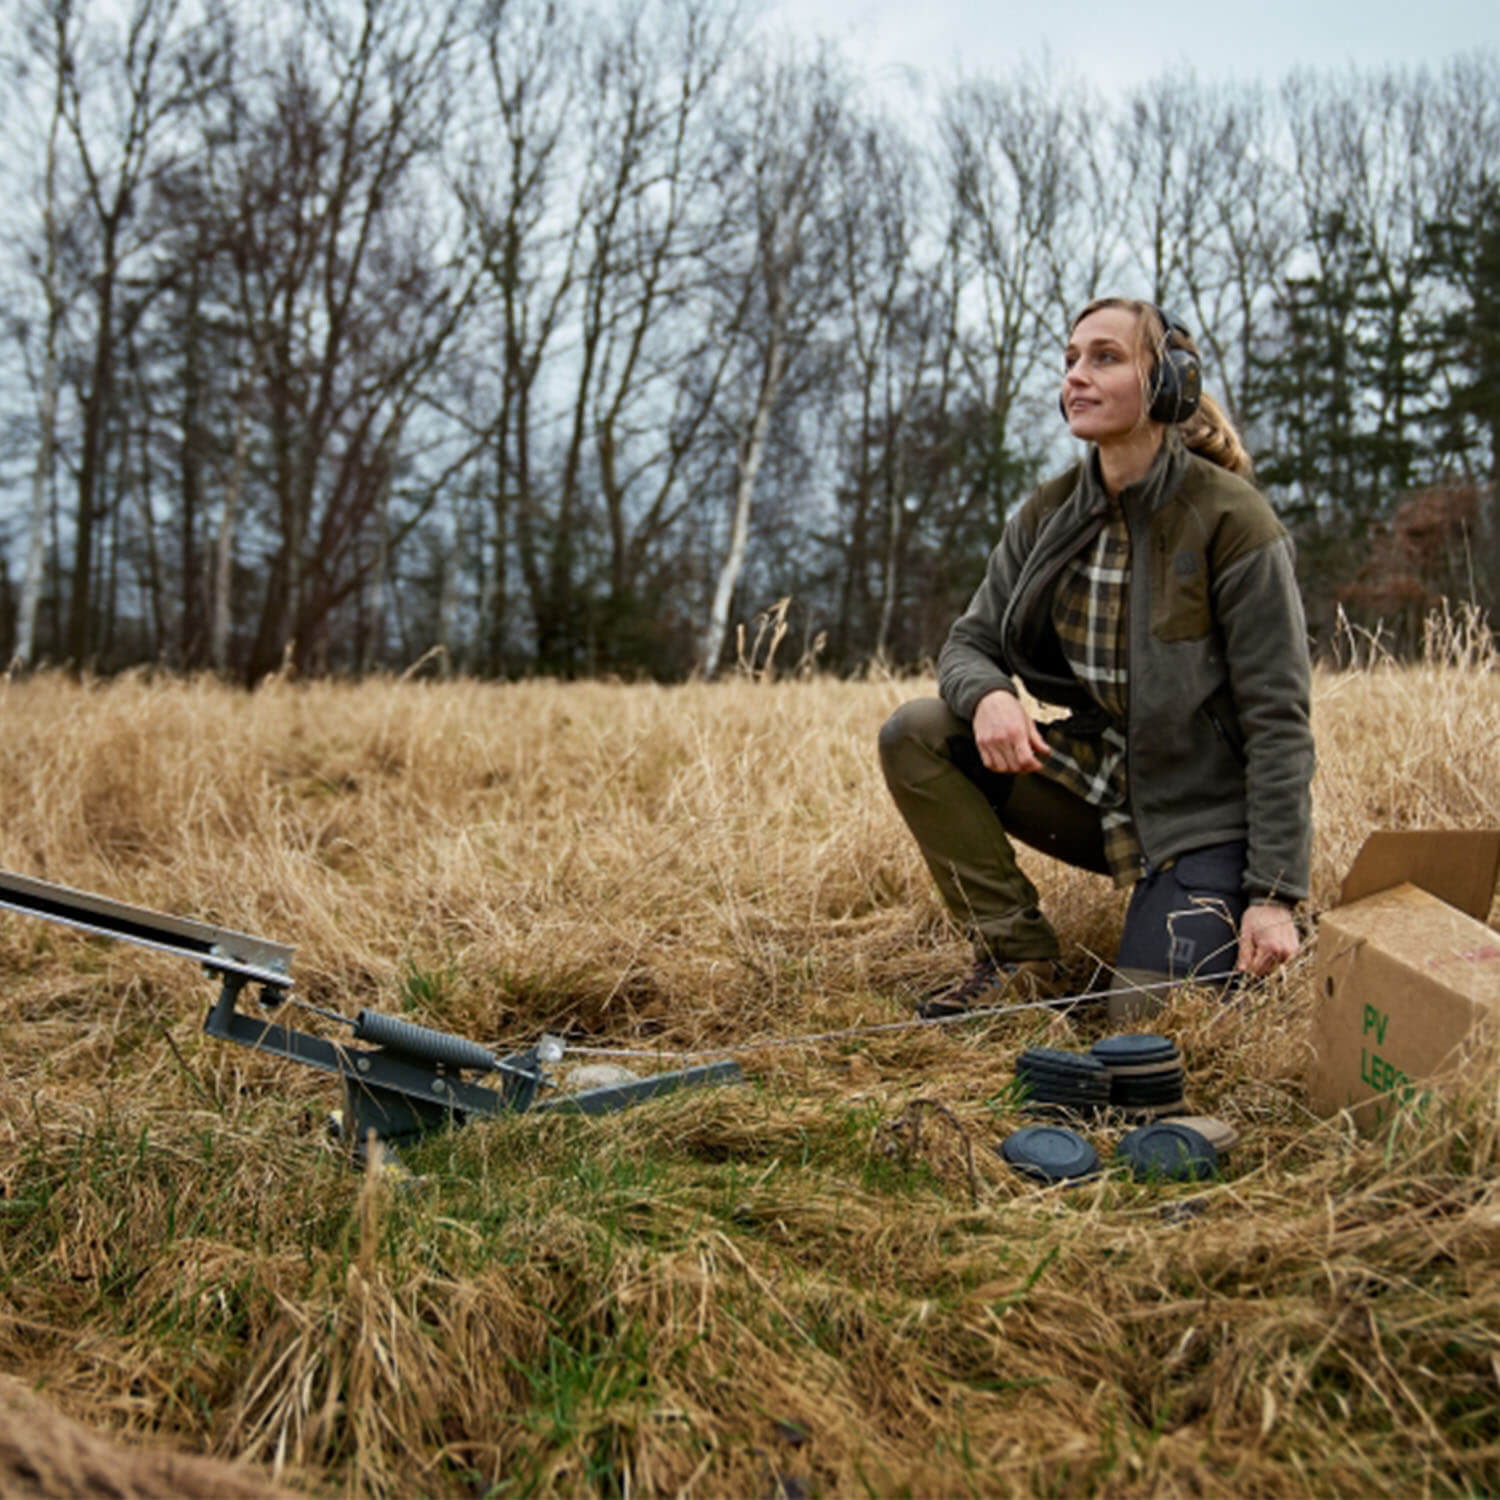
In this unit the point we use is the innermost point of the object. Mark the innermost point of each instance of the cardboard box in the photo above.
(1407, 970)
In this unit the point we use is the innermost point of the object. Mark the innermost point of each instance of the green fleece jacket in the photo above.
(1220, 747)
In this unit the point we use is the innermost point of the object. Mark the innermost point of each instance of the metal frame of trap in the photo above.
(407, 1082)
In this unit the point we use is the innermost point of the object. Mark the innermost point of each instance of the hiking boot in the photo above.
(990, 982)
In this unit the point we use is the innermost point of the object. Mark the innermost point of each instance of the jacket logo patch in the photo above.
(1185, 564)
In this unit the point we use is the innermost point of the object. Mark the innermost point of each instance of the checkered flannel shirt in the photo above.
(1090, 612)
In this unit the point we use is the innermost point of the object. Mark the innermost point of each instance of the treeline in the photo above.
(570, 340)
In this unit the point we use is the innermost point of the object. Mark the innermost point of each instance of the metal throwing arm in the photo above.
(220, 950)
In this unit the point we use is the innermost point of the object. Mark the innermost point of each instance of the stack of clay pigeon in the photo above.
(1141, 1077)
(1145, 1074)
(1057, 1080)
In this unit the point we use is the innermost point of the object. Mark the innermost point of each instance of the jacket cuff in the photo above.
(1260, 896)
(967, 700)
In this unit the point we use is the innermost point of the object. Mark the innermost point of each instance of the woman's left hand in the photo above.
(1268, 937)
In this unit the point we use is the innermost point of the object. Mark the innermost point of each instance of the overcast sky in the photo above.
(918, 44)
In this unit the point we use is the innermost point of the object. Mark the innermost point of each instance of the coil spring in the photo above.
(422, 1042)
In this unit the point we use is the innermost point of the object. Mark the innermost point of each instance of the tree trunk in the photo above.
(36, 537)
(747, 468)
(97, 405)
(890, 573)
(224, 542)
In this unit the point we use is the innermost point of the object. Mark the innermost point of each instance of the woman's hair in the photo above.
(1208, 432)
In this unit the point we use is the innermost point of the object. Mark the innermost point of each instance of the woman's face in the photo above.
(1103, 380)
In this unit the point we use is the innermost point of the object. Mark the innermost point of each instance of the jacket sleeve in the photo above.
(1260, 614)
(972, 661)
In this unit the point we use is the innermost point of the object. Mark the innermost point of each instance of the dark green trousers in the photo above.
(960, 815)
(1182, 922)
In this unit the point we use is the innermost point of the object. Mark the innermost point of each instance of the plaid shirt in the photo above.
(1090, 612)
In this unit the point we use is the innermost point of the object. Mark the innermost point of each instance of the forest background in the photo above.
(570, 340)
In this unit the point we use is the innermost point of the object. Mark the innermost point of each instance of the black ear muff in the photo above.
(1176, 378)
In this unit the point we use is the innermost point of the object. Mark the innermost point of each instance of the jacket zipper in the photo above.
(1223, 733)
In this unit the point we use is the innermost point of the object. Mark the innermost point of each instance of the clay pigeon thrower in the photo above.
(406, 1081)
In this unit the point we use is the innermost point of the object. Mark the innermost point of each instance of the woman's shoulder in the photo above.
(1048, 495)
(1234, 507)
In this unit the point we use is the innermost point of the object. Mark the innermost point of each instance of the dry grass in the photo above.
(780, 1288)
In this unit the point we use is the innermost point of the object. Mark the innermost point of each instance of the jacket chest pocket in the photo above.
(1180, 608)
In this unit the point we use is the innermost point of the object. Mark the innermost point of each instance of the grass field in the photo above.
(823, 1282)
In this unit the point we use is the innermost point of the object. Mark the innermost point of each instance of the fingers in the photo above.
(1247, 958)
(1268, 938)
(1008, 741)
(1010, 759)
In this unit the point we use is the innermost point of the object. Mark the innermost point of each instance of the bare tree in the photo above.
(1207, 213)
(527, 248)
(778, 282)
(591, 222)
(1022, 178)
(58, 21)
(342, 290)
(895, 318)
(120, 91)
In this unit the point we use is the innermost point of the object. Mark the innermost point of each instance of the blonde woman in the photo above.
(1149, 591)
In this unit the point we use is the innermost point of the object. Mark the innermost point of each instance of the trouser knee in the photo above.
(1184, 922)
(933, 772)
(914, 741)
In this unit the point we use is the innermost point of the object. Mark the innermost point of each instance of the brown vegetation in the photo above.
(44, 1456)
(1434, 545)
(780, 1288)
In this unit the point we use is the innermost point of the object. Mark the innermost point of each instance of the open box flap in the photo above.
(1457, 865)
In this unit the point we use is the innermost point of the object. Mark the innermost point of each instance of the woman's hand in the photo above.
(1268, 937)
(1008, 740)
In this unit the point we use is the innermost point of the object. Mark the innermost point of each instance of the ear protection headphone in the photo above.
(1175, 385)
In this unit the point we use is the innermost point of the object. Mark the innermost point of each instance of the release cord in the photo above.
(1060, 1003)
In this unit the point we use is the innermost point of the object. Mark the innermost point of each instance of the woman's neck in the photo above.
(1126, 460)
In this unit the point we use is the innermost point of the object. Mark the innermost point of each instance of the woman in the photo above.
(1150, 591)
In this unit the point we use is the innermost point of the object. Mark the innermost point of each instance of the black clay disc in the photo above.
(1055, 1059)
(1146, 1093)
(1082, 1081)
(1131, 1049)
(1026, 1069)
(1050, 1153)
(1082, 1087)
(1177, 1152)
(1169, 1091)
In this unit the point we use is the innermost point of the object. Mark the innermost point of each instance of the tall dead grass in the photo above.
(780, 1288)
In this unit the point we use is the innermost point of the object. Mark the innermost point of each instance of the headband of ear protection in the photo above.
(1175, 384)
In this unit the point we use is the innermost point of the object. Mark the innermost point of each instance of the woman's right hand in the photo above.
(1008, 739)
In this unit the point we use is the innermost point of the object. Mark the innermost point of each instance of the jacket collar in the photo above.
(1148, 492)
